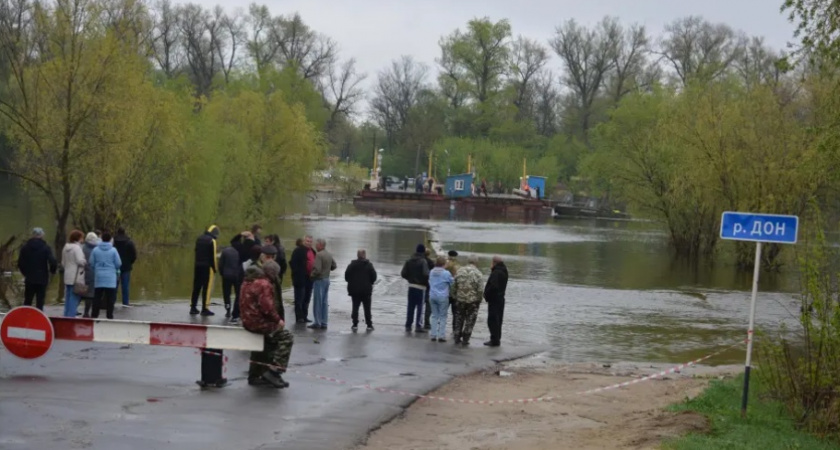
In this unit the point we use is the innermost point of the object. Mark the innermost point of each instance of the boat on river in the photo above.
(458, 199)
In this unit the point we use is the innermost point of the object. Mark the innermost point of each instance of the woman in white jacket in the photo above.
(73, 261)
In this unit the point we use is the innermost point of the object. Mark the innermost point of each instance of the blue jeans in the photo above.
(321, 307)
(71, 301)
(125, 282)
(440, 309)
(415, 303)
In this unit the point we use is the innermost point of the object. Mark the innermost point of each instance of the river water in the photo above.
(589, 290)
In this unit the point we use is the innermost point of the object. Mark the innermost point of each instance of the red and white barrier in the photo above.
(154, 333)
(151, 333)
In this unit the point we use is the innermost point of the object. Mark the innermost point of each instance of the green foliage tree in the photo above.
(68, 67)
(277, 149)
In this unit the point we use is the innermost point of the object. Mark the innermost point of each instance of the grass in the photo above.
(768, 426)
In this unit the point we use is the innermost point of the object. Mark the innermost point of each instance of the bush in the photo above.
(801, 366)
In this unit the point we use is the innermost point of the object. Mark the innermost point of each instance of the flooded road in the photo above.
(592, 290)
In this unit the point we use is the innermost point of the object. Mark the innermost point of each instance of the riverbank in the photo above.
(697, 409)
(632, 417)
(768, 425)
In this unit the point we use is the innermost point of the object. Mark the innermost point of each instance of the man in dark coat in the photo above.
(232, 275)
(416, 272)
(128, 255)
(36, 263)
(360, 276)
(206, 265)
(427, 325)
(494, 294)
(301, 263)
(243, 242)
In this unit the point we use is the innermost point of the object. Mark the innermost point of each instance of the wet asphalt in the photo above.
(84, 395)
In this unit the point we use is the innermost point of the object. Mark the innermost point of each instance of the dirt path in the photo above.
(626, 418)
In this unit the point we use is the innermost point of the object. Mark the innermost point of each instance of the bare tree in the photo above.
(758, 64)
(166, 37)
(545, 103)
(396, 92)
(263, 42)
(341, 89)
(199, 47)
(630, 61)
(232, 36)
(528, 58)
(588, 57)
(699, 50)
(130, 22)
(311, 53)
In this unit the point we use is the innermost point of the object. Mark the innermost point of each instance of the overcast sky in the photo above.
(378, 31)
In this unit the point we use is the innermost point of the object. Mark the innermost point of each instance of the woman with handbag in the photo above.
(91, 241)
(73, 261)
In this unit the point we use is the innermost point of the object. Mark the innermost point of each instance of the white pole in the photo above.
(756, 271)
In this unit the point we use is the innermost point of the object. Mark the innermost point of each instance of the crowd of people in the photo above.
(93, 267)
(253, 272)
(252, 269)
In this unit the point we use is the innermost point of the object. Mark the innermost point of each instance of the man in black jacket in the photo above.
(206, 266)
(300, 263)
(243, 242)
(128, 255)
(416, 272)
(232, 275)
(494, 294)
(360, 276)
(36, 263)
(427, 316)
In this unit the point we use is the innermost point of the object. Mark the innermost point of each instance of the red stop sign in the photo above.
(27, 332)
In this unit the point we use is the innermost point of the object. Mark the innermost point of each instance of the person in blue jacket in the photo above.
(106, 263)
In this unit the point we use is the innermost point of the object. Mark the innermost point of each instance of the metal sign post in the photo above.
(756, 228)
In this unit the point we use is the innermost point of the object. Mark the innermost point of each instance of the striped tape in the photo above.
(672, 370)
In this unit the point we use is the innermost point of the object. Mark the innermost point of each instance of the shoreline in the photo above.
(629, 417)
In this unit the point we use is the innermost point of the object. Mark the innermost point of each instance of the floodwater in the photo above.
(590, 290)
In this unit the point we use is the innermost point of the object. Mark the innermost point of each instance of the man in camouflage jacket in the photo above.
(259, 315)
(468, 291)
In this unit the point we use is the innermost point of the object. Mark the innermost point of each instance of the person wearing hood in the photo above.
(73, 260)
(91, 241)
(128, 254)
(205, 267)
(106, 263)
(494, 294)
(440, 285)
(416, 272)
(360, 276)
(36, 263)
(260, 316)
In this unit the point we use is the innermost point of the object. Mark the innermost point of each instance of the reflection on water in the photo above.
(591, 290)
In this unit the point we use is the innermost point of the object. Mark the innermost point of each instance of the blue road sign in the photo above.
(759, 227)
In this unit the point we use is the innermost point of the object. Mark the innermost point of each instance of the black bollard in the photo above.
(212, 367)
